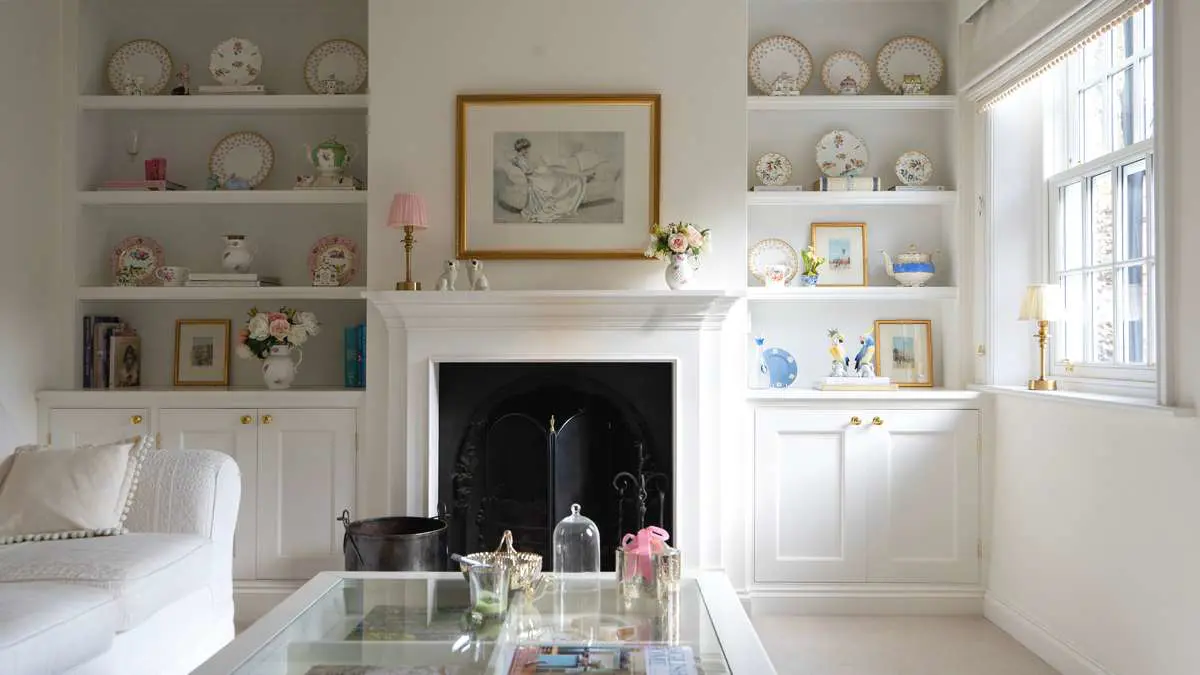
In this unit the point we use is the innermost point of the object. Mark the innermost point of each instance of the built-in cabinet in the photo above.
(861, 495)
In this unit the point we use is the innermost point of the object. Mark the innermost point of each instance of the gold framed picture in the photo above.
(844, 247)
(202, 352)
(549, 176)
(904, 351)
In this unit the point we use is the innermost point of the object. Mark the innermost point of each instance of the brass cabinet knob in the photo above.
(267, 419)
(878, 421)
(135, 419)
(246, 419)
(855, 421)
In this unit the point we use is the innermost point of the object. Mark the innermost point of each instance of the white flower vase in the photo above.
(278, 368)
(680, 271)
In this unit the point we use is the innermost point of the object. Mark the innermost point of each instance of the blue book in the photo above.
(362, 354)
(94, 348)
(349, 370)
(87, 352)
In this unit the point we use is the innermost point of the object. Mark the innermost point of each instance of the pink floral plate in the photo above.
(340, 253)
(134, 261)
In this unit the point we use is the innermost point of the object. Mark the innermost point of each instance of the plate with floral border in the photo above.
(235, 62)
(245, 154)
(134, 261)
(909, 55)
(340, 61)
(340, 253)
(773, 252)
(914, 168)
(777, 55)
(841, 153)
(845, 72)
(141, 58)
(773, 169)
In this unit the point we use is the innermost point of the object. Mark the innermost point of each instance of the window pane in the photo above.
(1102, 218)
(1103, 340)
(1096, 58)
(1148, 26)
(1123, 42)
(1095, 141)
(1135, 305)
(1122, 106)
(1071, 241)
(1137, 211)
(1075, 329)
(1148, 95)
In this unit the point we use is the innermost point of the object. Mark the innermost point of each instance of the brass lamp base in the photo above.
(1042, 384)
(408, 285)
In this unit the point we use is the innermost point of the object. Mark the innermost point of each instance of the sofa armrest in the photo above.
(187, 492)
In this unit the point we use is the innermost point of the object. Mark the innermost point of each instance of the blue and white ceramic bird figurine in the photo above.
(837, 350)
(864, 361)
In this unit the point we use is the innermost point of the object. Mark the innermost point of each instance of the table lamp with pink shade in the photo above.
(408, 213)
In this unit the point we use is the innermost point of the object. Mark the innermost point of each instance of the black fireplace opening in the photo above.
(518, 443)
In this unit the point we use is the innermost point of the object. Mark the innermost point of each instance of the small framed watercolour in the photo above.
(844, 247)
(904, 351)
(557, 176)
(202, 352)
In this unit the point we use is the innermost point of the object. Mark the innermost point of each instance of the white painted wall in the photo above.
(29, 36)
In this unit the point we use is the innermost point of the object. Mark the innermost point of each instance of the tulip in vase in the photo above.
(681, 244)
(272, 337)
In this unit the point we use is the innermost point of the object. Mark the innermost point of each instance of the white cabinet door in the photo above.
(70, 427)
(306, 469)
(923, 498)
(810, 509)
(235, 433)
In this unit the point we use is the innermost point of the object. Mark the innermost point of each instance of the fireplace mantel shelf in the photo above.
(572, 310)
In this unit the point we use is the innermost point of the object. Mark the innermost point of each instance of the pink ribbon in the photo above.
(639, 550)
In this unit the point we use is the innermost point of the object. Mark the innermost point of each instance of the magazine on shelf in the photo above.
(617, 659)
(138, 185)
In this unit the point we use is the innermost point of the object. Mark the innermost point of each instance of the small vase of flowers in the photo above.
(812, 266)
(681, 244)
(272, 337)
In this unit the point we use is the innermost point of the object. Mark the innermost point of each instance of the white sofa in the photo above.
(156, 601)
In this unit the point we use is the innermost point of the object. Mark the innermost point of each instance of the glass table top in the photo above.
(417, 624)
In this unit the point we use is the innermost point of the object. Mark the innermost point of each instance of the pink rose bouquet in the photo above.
(677, 239)
(264, 330)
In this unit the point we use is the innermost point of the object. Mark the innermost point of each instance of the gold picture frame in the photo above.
(821, 237)
(598, 149)
(207, 354)
(903, 358)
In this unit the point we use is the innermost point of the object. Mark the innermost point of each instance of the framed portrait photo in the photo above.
(557, 176)
(844, 247)
(904, 351)
(202, 352)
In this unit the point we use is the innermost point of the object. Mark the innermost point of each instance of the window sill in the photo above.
(1080, 398)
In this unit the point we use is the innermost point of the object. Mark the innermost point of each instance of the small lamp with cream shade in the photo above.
(1043, 303)
(408, 213)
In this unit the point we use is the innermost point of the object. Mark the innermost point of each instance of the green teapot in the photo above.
(330, 158)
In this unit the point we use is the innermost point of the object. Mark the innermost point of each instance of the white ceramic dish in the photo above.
(909, 55)
(841, 153)
(773, 252)
(845, 72)
(340, 62)
(775, 56)
(235, 62)
(140, 58)
(245, 154)
(773, 169)
(914, 168)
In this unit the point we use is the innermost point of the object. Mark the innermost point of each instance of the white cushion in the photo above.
(144, 572)
(49, 627)
(59, 493)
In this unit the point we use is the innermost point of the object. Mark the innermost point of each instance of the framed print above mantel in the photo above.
(557, 176)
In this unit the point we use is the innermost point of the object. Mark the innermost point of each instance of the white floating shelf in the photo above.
(229, 103)
(801, 393)
(220, 293)
(815, 102)
(194, 197)
(828, 293)
(201, 397)
(887, 198)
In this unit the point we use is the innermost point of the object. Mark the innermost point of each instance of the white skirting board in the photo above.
(864, 600)
(1037, 639)
(253, 599)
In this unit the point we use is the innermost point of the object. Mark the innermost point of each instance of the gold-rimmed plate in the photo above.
(770, 252)
(244, 155)
(909, 55)
(337, 66)
(779, 55)
(146, 59)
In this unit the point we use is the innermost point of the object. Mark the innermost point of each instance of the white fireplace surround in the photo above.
(681, 328)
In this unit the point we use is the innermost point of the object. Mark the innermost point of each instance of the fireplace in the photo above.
(520, 442)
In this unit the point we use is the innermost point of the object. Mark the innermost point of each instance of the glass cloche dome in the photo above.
(576, 544)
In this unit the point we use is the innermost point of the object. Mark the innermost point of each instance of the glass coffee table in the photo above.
(415, 623)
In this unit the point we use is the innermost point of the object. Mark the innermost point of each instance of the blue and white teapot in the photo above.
(911, 268)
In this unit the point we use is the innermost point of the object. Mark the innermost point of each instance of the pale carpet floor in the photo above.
(893, 645)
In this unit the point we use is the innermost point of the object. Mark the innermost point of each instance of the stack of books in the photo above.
(112, 354)
(918, 188)
(229, 279)
(231, 89)
(848, 184)
(126, 185)
(354, 339)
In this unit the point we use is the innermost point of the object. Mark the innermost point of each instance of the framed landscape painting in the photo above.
(844, 247)
(557, 176)
(202, 352)
(904, 351)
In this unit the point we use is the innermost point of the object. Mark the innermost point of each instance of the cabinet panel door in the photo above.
(235, 433)
(71, 427)
(810, 509)
(305, 479)
(923, 503)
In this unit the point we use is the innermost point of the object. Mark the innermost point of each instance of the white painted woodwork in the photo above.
(810, 478)
(826, 293)
(221, 293)
(882, 198)
(923, 498)
(807, 102)
(306, 476)
(196, 197)
(68, 428)
(225, 430)
(219, 104)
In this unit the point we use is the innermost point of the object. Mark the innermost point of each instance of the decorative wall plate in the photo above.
(777, 55)
(236, 61)
(340, 253)
(141, 58)
(134, 261)
(773, 169)
(781, 366)
(773, 252)
(909, 55)
(841, 153)
(914, 168)
(244, 154)
(846, 72)
(340, 63)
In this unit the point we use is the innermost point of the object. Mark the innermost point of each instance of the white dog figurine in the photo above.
(475, 275)
(449, 276)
